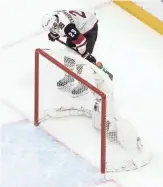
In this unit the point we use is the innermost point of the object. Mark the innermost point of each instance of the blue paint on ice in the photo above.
(30, 158)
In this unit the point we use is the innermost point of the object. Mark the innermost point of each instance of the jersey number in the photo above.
(72, 33)
(75, 13)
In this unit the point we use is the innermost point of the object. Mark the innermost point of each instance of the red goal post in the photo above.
(40, 52)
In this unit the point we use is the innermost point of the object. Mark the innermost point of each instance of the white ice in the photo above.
(128, 48)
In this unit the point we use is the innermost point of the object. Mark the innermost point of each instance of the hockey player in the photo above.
(81, 29)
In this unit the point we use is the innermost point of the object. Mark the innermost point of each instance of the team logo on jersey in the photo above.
(61, 25)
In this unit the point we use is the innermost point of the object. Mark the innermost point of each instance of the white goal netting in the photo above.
(59, 95)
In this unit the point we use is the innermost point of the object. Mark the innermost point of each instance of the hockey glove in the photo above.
(89, 57)
(53, 36)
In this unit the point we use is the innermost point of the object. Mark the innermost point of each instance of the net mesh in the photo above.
(62, 90)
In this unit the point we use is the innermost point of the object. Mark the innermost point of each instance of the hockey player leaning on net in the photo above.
(81, 30)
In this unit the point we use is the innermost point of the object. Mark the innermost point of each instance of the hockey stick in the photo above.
(96, 64)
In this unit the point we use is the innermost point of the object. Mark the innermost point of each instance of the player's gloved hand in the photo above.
(53, 36)
(89, 57)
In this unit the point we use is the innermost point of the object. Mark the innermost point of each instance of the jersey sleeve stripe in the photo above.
(80, 39)
(82, 43)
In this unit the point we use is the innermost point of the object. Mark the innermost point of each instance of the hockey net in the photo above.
(55, 99)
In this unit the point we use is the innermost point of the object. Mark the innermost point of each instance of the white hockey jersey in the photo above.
(84, 21)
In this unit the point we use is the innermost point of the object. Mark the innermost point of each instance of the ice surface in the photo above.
(129, 49)
(30, 157)
(8, 115)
